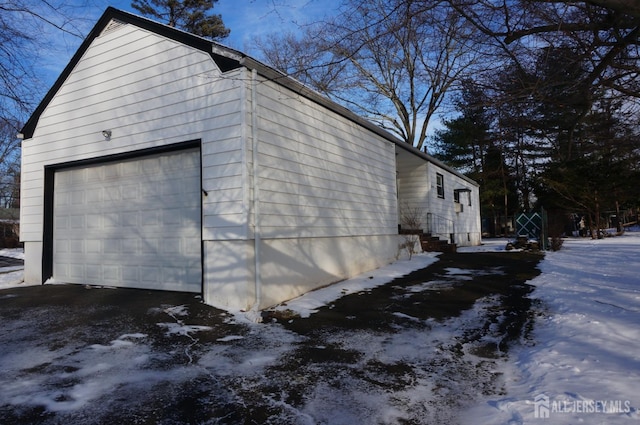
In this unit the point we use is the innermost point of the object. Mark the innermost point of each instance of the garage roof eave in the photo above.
(296, 86)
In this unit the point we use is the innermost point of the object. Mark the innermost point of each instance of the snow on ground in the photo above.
(12, 253)
(580, 365)
(583, 365)
(309, 303)
(11, 276)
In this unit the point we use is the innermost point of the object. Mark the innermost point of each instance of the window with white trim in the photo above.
(440, 185)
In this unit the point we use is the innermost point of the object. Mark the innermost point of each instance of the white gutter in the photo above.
(256, 191)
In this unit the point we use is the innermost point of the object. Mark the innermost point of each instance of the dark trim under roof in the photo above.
(227, 59)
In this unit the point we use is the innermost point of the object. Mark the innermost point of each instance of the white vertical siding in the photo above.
(321, 175)
(150, 92)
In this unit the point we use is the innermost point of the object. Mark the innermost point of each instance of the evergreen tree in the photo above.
(464, 140)
(467, 143)
(515, 107)
(193, 16)
(602, 176)
(498, 194)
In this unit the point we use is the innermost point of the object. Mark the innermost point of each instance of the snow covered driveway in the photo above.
(477, 338)
(415, 350)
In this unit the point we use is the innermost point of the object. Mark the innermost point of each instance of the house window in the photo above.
(440, 185)
(456, 195)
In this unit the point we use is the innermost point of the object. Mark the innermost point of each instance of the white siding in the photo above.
(417, 188)
(321, 175)
(464, 224)
(149, 91)
(413, 183)
(326, 200)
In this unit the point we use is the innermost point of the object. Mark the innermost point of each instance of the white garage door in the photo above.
(134, 223)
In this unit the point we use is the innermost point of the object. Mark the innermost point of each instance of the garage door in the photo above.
(133, 223)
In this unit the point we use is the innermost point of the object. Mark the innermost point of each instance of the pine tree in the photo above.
(193, 16)
(467, 143)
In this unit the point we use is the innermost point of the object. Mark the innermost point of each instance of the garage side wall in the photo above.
(327, 196)
(150, 92)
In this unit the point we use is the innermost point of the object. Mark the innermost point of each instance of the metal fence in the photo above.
(534, 225)
(441, 227)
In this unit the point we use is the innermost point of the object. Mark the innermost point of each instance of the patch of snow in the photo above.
(310, 302)
(12, 253)
(488, 245)
(75, 377)
(177, 311)
(455, 271)
(432, 285)
(12, 279)
(261, 348)
(122, 341)
(181, 329)
(230, 338)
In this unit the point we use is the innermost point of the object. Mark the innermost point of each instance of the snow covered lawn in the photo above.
(11, 276)
(583, 364)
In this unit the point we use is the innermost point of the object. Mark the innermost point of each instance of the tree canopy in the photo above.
(391, 61)
(537, 100)
(193, 16)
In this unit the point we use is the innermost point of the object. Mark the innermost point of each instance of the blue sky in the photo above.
(247, 19)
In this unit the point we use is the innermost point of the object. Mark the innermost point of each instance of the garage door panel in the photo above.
(135, 223)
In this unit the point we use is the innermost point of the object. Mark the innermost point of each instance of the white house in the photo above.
(163, 160)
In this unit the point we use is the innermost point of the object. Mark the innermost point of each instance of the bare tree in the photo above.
(24, 26)
(9, 166)
(606, 33)
(411, 219)
(393, 62)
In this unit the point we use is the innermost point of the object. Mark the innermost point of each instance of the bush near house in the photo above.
(9, 228)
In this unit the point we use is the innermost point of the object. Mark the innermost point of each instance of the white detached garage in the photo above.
(162, 160)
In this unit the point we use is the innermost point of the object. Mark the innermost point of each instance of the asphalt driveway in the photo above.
(413, 351)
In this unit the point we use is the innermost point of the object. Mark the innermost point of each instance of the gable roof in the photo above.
(227, 59)
(224, 62)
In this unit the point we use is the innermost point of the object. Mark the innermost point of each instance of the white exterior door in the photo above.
(133, 223)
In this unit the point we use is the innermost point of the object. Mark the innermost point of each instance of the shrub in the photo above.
(556, 243)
